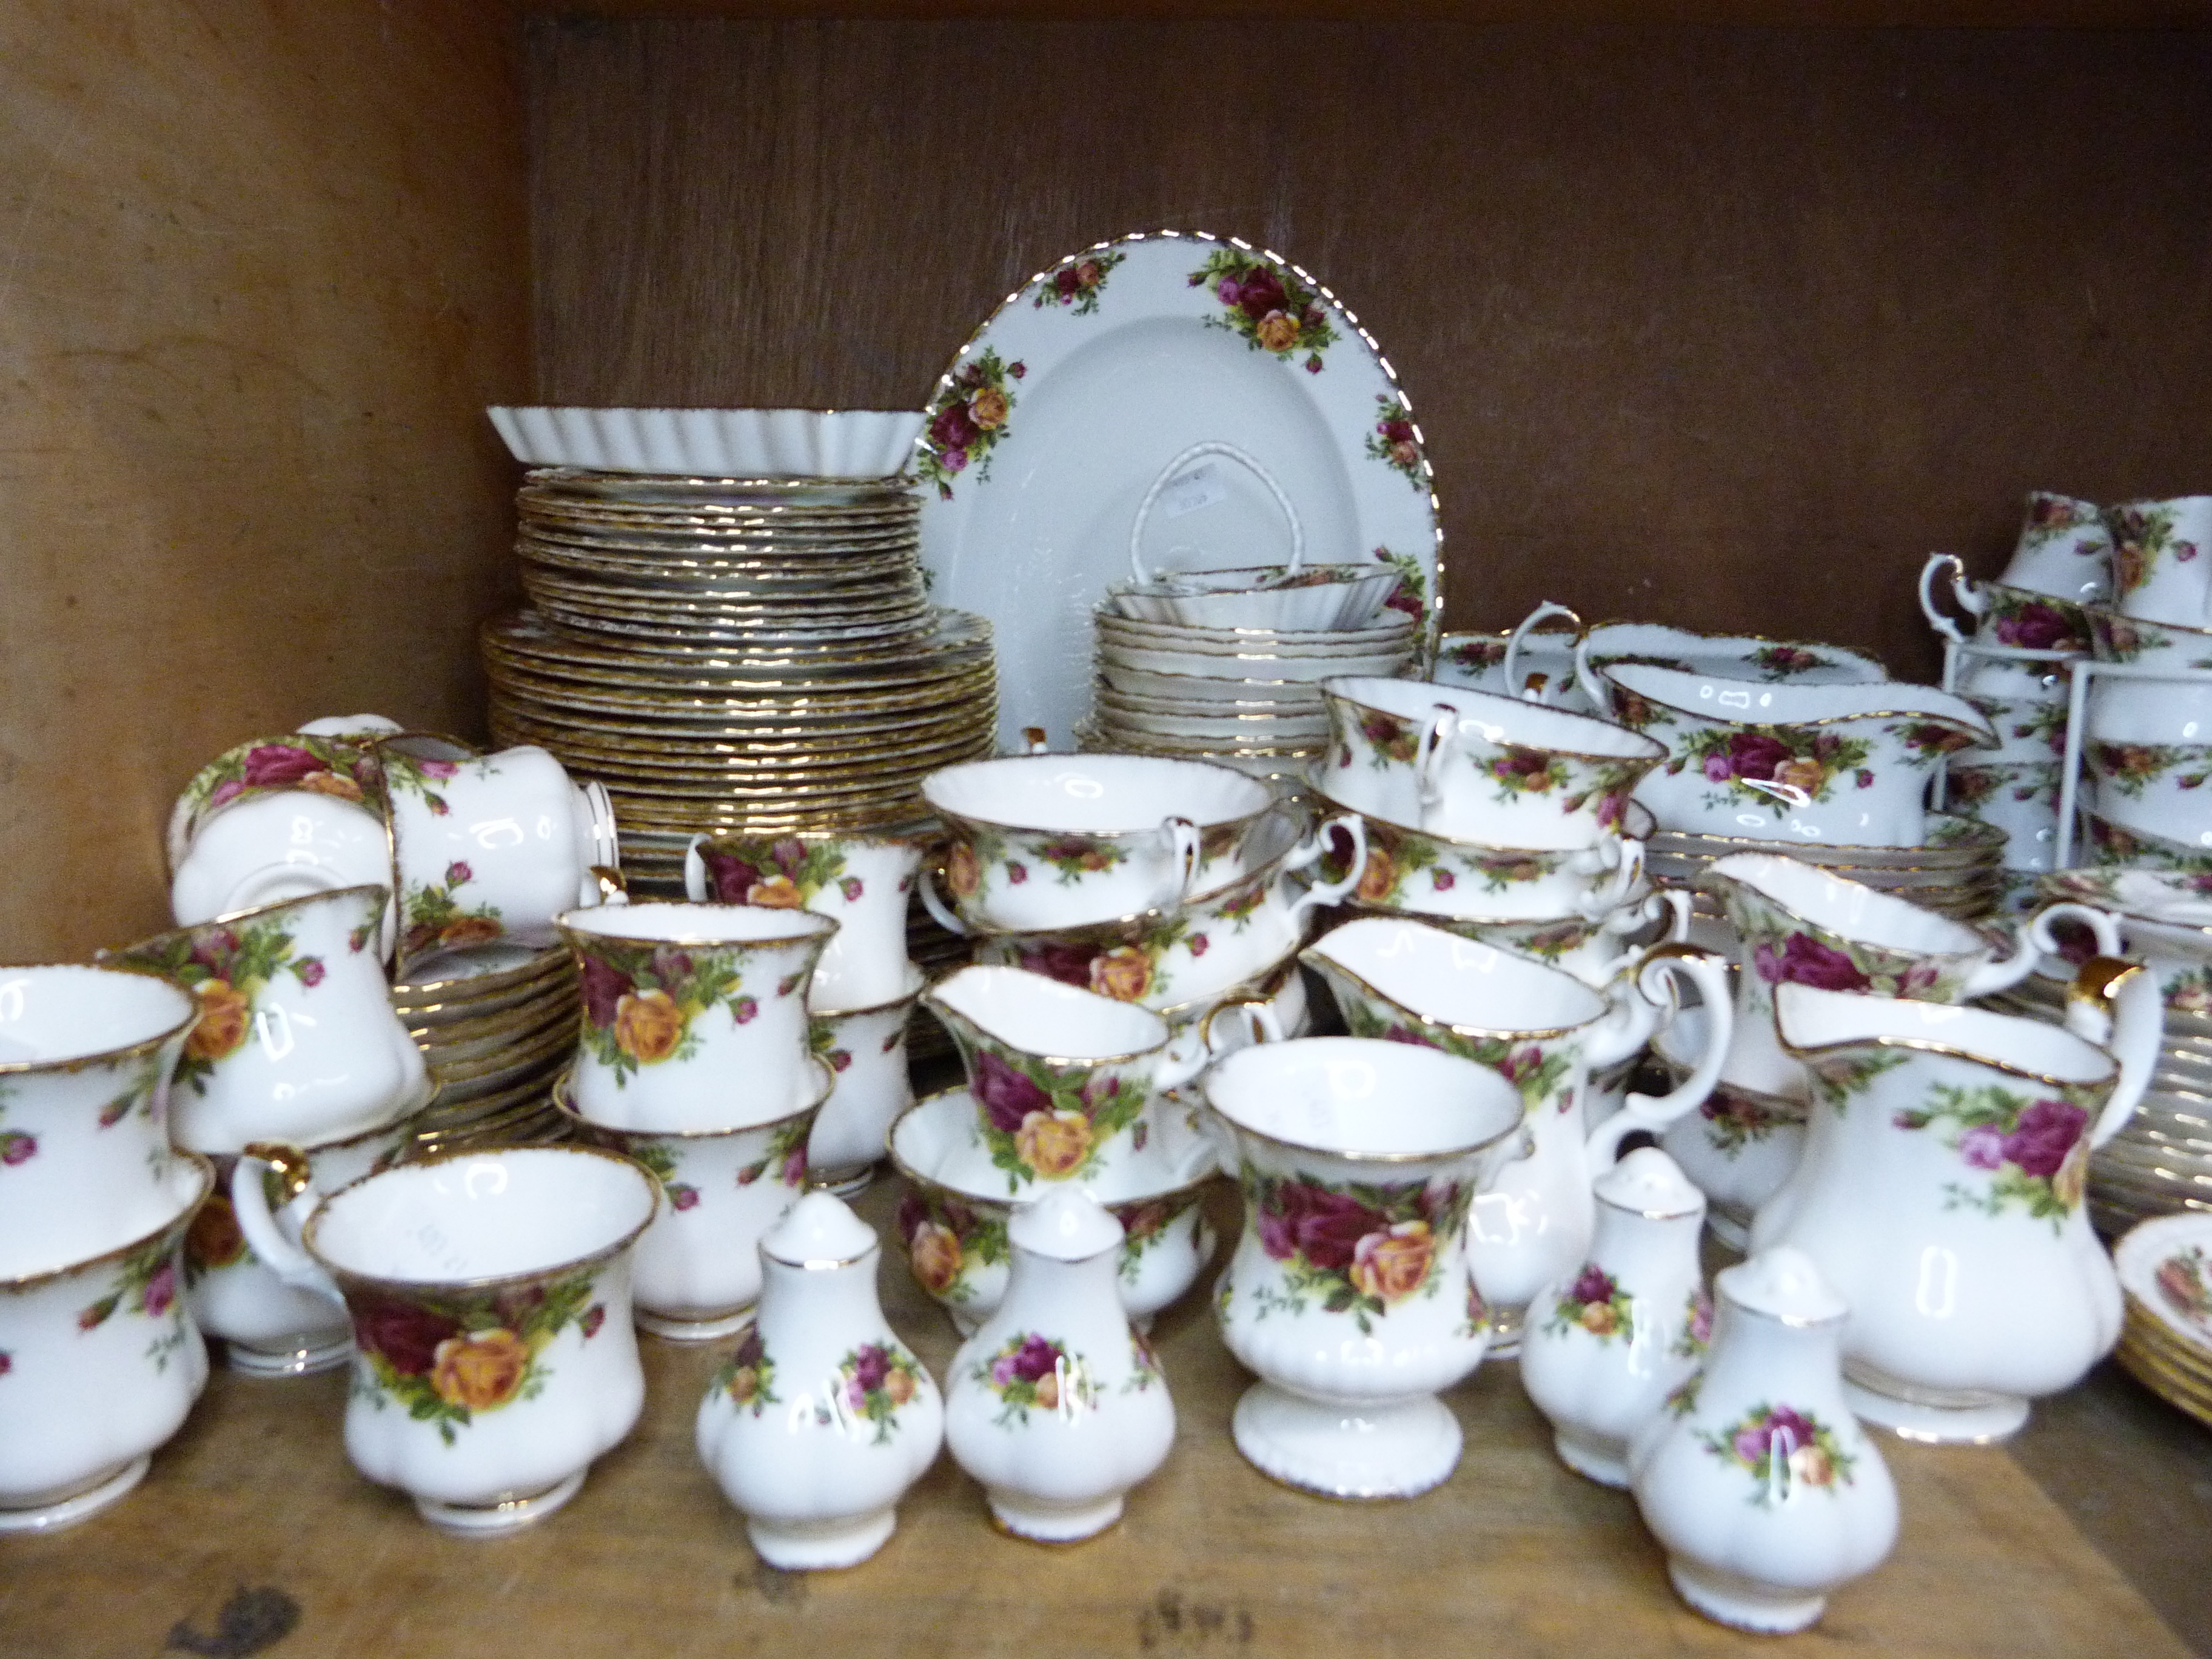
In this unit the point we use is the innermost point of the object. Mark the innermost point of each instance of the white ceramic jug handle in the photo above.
(1969, 601)
(1260, 1025)
(2100, 923)
(265, 1234)
(695, 872)
(1653, 1113)
(930, 901)
(2118, 1006)
(1332, 892)
(1543, 612)
(1439, 738)
(1212, 447)
(2008, 970)
(1185, 853)
(1671, 902)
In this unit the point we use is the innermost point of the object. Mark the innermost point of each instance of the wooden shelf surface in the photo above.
(1513, 1556)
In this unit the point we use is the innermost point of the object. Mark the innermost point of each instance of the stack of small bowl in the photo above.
(495, 1025)
(1226, 665)
(2165, 1278)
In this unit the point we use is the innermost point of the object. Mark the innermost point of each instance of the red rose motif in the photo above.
(273, 765)
(1068, 963)
(405, 1335)
(952, 429)
(1804, 960)
(1751, 755)
(729, 877)
(2043, 1136)
(1323, 1226)
(2036, 626)
(1008, 1096)
(1259, 291)
(604, 989)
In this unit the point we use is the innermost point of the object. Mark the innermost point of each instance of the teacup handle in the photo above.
(1542, 613)
(1971, 602)
(2006, 970)
(1212, 446)
(696, 887)
(1195, 1050)
(1654, 1113)
(1626, 872)
(1184, 853)
(1331, 893)
(1439, 738)
(1669, 901)
(930, 901)
(264, 1232)
(2101, 923)
(2117, 1006)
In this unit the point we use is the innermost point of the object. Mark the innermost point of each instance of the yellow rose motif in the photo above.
(962, 873)
(744, 1383)
(1054, 1144)
(1047, 1391)
(468, 930)
(2128, 566)
(2073, 1174)
(1391, 1266)
(898, 1386)
(224, 1017)
(776, 893)
(1278, 330)
(331, 783)
(934, 1252)
(1600, 1318)
(214, 1239)
(647, 1025)
(987, 409)
(1379, 877)
(479, 1369)
(1812, 1467)
(1124, 973)
(1807, 776)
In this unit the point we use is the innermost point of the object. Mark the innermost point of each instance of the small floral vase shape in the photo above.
(1753, 1473)
(1265, 303)
(966, 419)
(1056, 1405)
(1357, 1249)
(448, 1358)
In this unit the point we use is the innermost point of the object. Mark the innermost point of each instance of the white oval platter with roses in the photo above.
(1052, 424)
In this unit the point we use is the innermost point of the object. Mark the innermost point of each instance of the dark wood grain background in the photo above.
(1723, 326)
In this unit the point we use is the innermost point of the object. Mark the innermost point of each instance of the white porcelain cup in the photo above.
(490, 1294)
(695, 1015)
(102, 1365)
(297, 1039)
(861, 883)
(865, 1049)
(2162, 559)
(85, 1059)
(2064, 548)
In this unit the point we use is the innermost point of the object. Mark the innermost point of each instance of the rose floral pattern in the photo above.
(2131, 768)
(1595, 1302)
(1411, 595)
(433, 917)
(447, 1358)
(1043, 1122)
(1761, 764)
(1735, 1118)
(946, 1240)
(2056, 518)
(1075, 284)
(323, 766)
(748, 1375)
(967, 420)
(1779, 662)
(786, 1155)
(2185, 1279)
(873, 1381)
(2124, 639)
(1403, 866)
(1032, 1371)
(226, 969)
(775, 872)
(1268, 306)
(1356, 1248)
(1697, 1333)
(1538, 1072)
(145, 1283)
(2019, 617)
(1127, 967)
(215, 1240)
(1395, 441)
(1781, 1449)
(641, 999)
(2143, 534)
(660, 1161)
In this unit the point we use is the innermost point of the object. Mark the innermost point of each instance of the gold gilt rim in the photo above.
(22, 1282)
(142, 1046)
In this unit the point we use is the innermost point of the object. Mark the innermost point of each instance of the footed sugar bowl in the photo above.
(1604, 1347)
(822, 1418)
(1055, 1403)
(1755, 1477)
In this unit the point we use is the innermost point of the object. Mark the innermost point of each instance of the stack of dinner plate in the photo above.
(2160, 1162)
(729, 654)
(2165, 1278)
(1247, 697)
(496, 1024)
(1957, 872)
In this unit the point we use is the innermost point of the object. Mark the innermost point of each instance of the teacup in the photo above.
(1057, 841)
(2004, 614)
(865, 1049)
(1525, 661)
(2154, 786)
(335, 765)
(2021, 801)
(2148, 708)
(696, 1271)
(2064, 548)
(281, 843)
(1437, 876)
(2115, 844)
(2159, 645)
(268, 1327)
(490, 1292)
(952, 1217)
(2161, 570)
(86, 1054)
(1478, 765)
(695, 1015)
(1595, 951)
(860, 882)
(1061, 1077)
(488, 847)
(102, 1365)
(1843, 764)
(1164, 958)
(297, 1038)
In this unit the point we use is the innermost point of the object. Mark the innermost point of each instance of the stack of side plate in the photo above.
(1956, 872)
(1247, 697)
(496, 1024)
(736, 654)
(2160, 1162)
(2166, 1277)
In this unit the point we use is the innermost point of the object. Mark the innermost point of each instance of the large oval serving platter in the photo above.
(1060, 413)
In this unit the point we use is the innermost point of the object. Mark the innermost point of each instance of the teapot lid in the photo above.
(1649, 1183)
(1067, 1225)
(1782, 1283)
(820, 1231)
